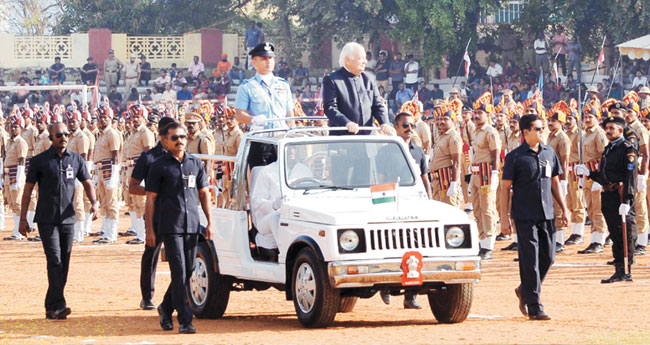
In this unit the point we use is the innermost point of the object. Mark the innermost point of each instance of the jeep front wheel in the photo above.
(452, 304)
(316, 303)
(208, 291)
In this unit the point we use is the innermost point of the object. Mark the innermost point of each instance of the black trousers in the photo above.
(610, 202)
(180, 250)
(536, 246)
(57, 244)
(148, 268)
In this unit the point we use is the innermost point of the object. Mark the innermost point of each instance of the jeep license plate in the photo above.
(412, 269)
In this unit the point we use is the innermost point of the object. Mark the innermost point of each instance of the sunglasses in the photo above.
(176, 137)
(538, 129)
(59, 135)
(408, 125)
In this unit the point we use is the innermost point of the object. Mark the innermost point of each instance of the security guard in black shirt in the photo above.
(176, 182)
(55, 170)
(617, 110)
(532, 170)
(617, 170)
(150, 254)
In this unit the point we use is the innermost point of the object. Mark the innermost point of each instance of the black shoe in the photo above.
(166, 322)
(60, 314)
(573, 240)
(511, 246)
(612, 263)
(127, 233)
(559, 247)
(147, 304)
(411, 303)
(37, 238)
(522, 305)
(587, 221)
(96, 234)
(619, 276)
(103, 241)
(639, 250)
(135, 241)
(608, 241)
(503, 237)
(539, 316)
(593, 248)
(13, 238)
(486, 254)
(187, 329)
(385, 297)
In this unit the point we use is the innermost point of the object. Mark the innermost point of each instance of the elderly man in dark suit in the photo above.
(351, 97)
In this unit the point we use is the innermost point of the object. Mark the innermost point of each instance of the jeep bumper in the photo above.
(363, 273)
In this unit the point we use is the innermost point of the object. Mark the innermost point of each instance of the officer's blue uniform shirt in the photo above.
(56, 183)
(273, 101)
(177, 185)
(531, 174)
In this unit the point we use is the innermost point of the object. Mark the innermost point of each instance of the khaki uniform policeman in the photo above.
(500, 120)
(197, 141)
(447, 155)
(640, 204)
(593, 145)
(467, 133)
(90, 164)
(4, 139)
(14, 165)
(78, 143)
(560, 143)
(107, 166)
(29, 134)
(233, 136)
(485, 175)
(140, 140)
(575, 195)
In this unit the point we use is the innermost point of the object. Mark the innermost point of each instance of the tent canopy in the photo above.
(638, 48)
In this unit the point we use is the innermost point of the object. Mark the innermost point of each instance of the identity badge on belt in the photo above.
(69, 173)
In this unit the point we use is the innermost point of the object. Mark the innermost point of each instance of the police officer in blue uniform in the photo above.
(264, 96)
(176, 184)
(150, 254)
(55, 171)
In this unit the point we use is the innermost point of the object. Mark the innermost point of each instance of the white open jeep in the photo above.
(335, 245)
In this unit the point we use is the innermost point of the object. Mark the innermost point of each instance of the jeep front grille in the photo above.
(406, 238)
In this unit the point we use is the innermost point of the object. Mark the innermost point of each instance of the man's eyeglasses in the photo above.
(176, 137)
(59, 135)
(408, 125)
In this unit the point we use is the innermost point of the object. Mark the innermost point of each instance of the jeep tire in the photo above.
(347, 304)
(316, 303)
(452, 304)
(207, 290)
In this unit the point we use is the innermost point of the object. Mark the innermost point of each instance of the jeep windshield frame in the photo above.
(337, 164)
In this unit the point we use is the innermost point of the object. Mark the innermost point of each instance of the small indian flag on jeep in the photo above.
(383, 193)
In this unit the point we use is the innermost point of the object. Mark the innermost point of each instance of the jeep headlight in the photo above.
(455, 236)
(351, 241)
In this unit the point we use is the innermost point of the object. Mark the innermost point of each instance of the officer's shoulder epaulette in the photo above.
(280, 79)
(628, 143)
(202, 136)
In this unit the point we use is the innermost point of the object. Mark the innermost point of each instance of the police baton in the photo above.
(624, 230)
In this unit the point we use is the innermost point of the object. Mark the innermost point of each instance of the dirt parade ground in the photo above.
(103, 292)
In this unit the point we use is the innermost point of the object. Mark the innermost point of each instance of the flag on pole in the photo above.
(540, 85)
(601, 56)
(468, 63)
(383, 193)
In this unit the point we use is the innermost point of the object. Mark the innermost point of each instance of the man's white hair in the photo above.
(347, 51)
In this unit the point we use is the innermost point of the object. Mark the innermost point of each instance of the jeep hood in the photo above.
(361, 211)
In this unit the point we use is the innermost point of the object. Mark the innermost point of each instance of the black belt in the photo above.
(612, 187)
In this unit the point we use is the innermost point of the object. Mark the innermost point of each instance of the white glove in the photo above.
(20, 176)
(494, 180)
(277, 203)
(259, 121)
(581, 170)
(564, 187)
(642, 182)
(596, 187)
(623, 209)
(453, 189)
(115, 177)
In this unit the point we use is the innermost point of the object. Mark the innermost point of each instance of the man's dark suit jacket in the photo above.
(347, 97)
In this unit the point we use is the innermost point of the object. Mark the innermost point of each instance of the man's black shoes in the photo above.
(187, 329)
(511, 246)
(165, 320)
(573, 240)
(539, 316)
(503, 237)
(559, 247)
(594, 248)
(59, 314)
(147, 304)
(522, 305)
(619, 276)
(485, 254)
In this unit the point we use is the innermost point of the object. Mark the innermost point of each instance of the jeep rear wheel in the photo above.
(207, 291)
(452, 304)
(347, 304)
(316, 303)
